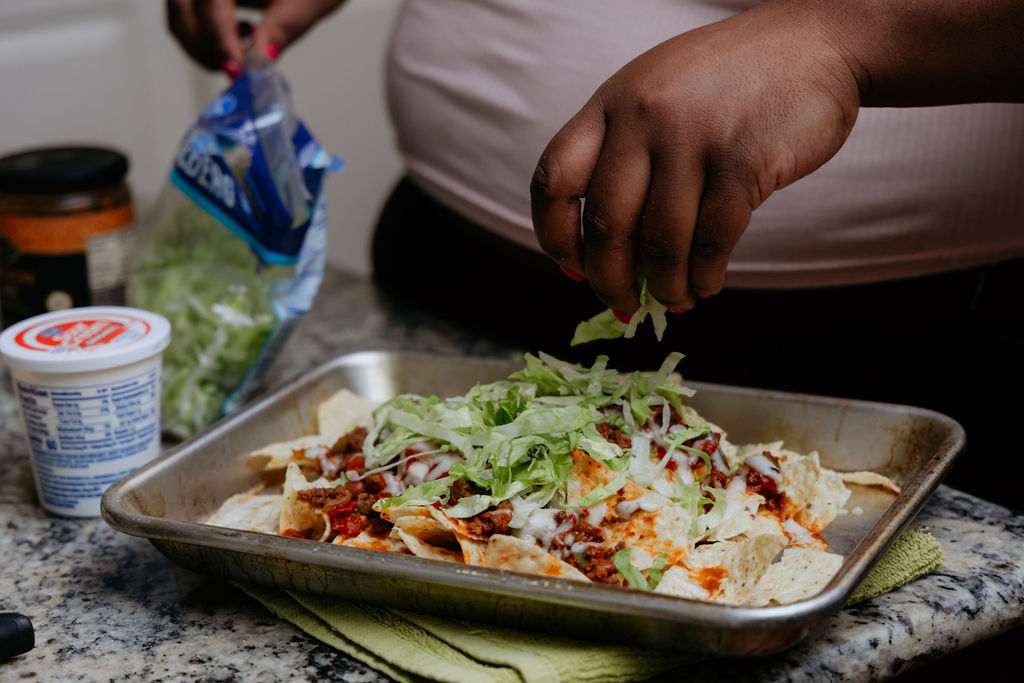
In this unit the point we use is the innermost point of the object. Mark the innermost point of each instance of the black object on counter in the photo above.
(16, 635)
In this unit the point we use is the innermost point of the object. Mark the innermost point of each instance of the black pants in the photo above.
(951, 342)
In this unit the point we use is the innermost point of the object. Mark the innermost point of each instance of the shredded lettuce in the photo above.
(605, 325)
(423, 494)
(470, 506)
(656, 569)
(220, 308)
(713, 517)
(515, 436)
(635, 577)
(599, 493)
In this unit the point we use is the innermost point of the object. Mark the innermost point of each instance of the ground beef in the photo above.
(375, 483)
(585, 532)
(324, 497)
(717, 478)
(600, 567)
(581, 531)
(491, 522)
(614, 435)
(461, 488)
(345, 452)
(673, 419)
(350, 443)
(364, 504)
(377, 526)
(766, 486)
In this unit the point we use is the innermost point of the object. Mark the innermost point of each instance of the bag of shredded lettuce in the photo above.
(233, 252)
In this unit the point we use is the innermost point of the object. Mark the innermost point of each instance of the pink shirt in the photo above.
(477, 88)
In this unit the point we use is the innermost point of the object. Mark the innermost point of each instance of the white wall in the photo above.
(336, 72)
(96, 72)
(108, 72)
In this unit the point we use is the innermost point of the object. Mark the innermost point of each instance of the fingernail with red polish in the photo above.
(676, 310)
(273, 50)
(622, 317)
(231, 68)
(702, 295)
(573, 274)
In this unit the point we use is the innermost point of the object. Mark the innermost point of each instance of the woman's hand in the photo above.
(673, 153)
(210, 33)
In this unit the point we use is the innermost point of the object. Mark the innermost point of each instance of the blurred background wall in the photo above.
(107, 72)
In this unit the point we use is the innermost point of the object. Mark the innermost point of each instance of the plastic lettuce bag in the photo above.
(233, 252)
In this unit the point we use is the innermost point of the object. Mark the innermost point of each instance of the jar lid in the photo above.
(56, 170)
(84, 339)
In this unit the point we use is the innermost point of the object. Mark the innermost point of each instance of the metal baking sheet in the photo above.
(166, 501)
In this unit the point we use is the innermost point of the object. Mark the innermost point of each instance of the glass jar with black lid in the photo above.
(66, 229)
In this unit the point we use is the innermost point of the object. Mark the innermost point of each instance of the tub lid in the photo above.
(84, 339)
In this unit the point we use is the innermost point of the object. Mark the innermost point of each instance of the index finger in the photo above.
(560, 183)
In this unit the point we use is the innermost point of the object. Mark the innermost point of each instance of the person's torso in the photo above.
(477, 88)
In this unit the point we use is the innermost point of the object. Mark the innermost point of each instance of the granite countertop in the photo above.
(109, 606)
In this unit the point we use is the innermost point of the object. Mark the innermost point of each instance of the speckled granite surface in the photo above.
(107, 606)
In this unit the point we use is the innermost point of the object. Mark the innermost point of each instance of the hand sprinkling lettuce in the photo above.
(605, 325)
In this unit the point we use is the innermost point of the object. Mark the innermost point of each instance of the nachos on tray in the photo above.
(583, 473)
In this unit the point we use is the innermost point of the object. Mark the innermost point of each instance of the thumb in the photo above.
(285, 22)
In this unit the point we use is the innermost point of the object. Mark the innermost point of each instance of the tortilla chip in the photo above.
(871, 479)
(458, 525)
(298, 515)
(743, 562)
(473, 544)
(336, 416)
(663, 529)
(426, 537)
(389, 544)
(802, 537)
(342, 412)
(515, 554)
(276, 456)
(676, 581)
(741, 516)
(799, 574)
(817, 494)
(394, 513)
(252, 510)
(473, 552)
(765, 524)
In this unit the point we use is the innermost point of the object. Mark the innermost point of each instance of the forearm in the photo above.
(927, 52)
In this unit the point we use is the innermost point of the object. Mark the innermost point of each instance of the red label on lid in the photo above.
(84, 334)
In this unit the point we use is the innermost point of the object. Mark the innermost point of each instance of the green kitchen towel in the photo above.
(915, 553)
(416, 647)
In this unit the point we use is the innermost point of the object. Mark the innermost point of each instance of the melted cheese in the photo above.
(541, 527)
(760, 463)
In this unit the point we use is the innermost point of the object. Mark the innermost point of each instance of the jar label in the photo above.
(50, 263)
(62, 234)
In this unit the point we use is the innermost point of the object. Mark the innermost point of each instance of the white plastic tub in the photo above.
(88, 384)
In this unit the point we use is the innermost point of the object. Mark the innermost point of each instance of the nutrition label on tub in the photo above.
(84, 438)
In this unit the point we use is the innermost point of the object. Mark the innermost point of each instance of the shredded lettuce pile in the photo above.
(515, 436)
(219, 306)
